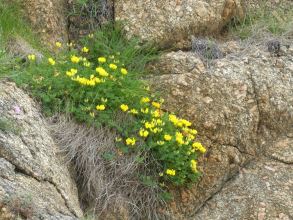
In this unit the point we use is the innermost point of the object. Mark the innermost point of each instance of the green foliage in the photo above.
(101, 80)
(263, 19)
(7, 126)
(13, 24)
(112, 40)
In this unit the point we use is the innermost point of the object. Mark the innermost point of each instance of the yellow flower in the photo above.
(145, 99)
(124, 107)
(167, 137)
(71, 73)
(87, 64)
(193, 131)
(149, 125)
(160, 122)
(118, 139)
(75, 59)
(143, 132)
(85, 49)
(102, 59)
(171, 172)
(102, 71)
(58, 44)
(113, 66)
(31, 57)
(145, 111)
(69, 44)
(186, 123)
(198, 146)
(134, 111)
(160, 143)
(51, 61)
(130, 141)
(124, 71)
(156, 114)
(179, 138)
(193, 166)
(100, 107)
(104, 100)
(91, 36)
(156, 104)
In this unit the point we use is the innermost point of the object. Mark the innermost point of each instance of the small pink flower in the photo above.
(17, 109)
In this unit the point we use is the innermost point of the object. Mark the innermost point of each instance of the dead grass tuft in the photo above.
(108, 180)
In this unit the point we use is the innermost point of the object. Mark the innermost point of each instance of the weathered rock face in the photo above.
(34, 183)
(48, 19)
(171, 23)
(242, 106)
(18, 47)
(263, 190)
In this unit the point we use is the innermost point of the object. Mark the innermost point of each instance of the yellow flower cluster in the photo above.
(102, 72)
(75, 59)
(198, 146)
(124, 71)
(143, 132)
(124, 107)
(71, 73)
(51, 61)
(171, 172)
(154, 125)
(85, 49)
(133, 111)
(58, 44)
(156, 104)
(167, 137)
(179, 122)
(113, 66)
(145, 99)
(130, 141)
(102, 60)
(88, 82)
(193, 166)
(100, 107)
(170, 136)
(31, 57)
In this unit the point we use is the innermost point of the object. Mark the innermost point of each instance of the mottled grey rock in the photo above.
(171, 23)
(242, 106)
(263, 191)
(18, 47)
(31, 171)
(48, 18)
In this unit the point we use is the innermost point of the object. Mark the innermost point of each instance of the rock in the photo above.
(34, 183)
(242, 107)
(274, 46)
(82, 22)
(171, 23)
(18, 47)
(257, 193)
(48, 19)
(205, 48)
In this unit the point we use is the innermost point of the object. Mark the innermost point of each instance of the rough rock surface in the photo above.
(18, 47)
(262, 190)
(48, 19)
(171, 23)
(33, 181)
(242, 106)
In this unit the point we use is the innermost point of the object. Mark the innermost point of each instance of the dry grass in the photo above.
(264, 19)
(107, 179)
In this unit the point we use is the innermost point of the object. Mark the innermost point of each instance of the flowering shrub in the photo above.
(95, 88)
